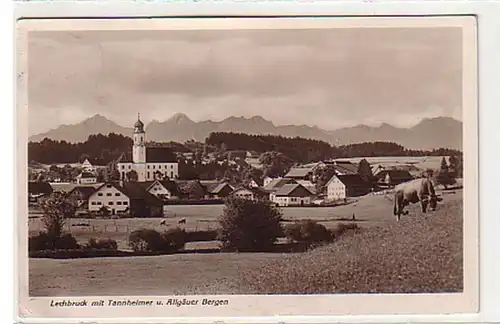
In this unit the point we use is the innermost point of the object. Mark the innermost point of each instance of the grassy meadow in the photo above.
(421, 253)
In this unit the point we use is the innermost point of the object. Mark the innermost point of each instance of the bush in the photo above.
(200, 236)
(102, 244)
(149, 240)
(45, 241)
(249, 226)
(174, 239)
(308, 231)
(343, 228)
(145, 240)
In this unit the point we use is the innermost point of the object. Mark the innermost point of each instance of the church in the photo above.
(150, 163)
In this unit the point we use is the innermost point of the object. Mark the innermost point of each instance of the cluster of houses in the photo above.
(157, 184)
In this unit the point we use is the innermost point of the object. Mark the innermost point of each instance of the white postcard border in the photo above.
(277, 305)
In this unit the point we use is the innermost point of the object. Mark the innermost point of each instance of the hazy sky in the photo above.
(329, 78)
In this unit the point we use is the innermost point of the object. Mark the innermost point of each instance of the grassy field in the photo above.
(434, 238)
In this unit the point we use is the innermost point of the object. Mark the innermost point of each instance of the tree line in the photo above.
(102, 149)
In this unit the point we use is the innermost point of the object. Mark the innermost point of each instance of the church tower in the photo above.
(139, 147)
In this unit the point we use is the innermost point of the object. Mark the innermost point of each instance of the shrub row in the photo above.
(311, 233)
(149, 240)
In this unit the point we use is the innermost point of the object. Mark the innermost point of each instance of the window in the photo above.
(125, 202)
(130, 167)
(171, 166)
(108, 186)
(109, 194)
(110, 203)
(171, 174)
(99, 203)
(117, 194)
(94, 203)
(153, 166)
(100, 194)
(148, 173)
(118, 202)
(148, 166)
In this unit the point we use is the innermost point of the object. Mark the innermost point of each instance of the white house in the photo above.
(268, 180)
(292, 194)
(86, 178)
(110, 196)
(348, 185)
(150, 163)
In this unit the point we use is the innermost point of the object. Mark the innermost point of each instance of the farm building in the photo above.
(128, 197)
(68, 186)
(217, 189)
(393, 177)
(163, 189)
(192, 189)
(411, 168)
(86, 177)
(308, 185)
(348, 185)
(250, 193)
(343, 167)
(292, 195)
(300, 173)
(276, 184)
(81, 194)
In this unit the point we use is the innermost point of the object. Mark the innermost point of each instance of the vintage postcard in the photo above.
(247, 167)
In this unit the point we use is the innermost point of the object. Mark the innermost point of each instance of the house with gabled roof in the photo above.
(293, 194)
(299, 173)
(163, 189)
(217, 189)
(125, 198)
(347, 185)
(275, 184)
(81, 195)
(393, 177)
(86, 177)
(192, 189)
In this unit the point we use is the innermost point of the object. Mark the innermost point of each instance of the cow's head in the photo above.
(432, 201)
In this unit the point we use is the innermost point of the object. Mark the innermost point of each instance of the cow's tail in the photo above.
(395, 209)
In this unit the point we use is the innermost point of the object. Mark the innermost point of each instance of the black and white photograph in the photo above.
(262, 157)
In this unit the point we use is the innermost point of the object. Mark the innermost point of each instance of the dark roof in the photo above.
(153, 155)
(170, 186)
(299, 172)
(187, 186)
(160, 155)
(289, 188)
(85, 191)
(395, 174)
(352, 180)
(85, 174)
(39, 188)
(145, 184)
(278, 183)
(135, 191)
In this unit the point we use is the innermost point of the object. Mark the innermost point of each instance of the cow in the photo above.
(182, 221)
(414, 191)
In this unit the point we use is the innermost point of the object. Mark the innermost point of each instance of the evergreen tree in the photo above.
(444, 177)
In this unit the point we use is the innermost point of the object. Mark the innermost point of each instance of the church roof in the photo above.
(153, 155)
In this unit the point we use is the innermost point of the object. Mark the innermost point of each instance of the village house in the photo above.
(348, 185)
(192, 189)
(163, 189)
(250, 193)
(276, 184)
(147, 162)
(343, 167)
(217, 189)
(38, 189)
(292, 194)
(125, 198)
(86, 177)
(81, 195)
(268, 180)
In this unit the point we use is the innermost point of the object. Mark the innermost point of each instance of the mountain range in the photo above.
(430, 133)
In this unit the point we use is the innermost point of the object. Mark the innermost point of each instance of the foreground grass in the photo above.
(421, 254)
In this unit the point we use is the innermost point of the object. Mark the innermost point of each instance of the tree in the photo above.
(158, 175)
(113, 175)
(454, 165)
(56, 208)
(132, 176)
(250, 173)
(275, 164)
(322, 176)
(444, 177)
(249, 226)
(365, 170)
